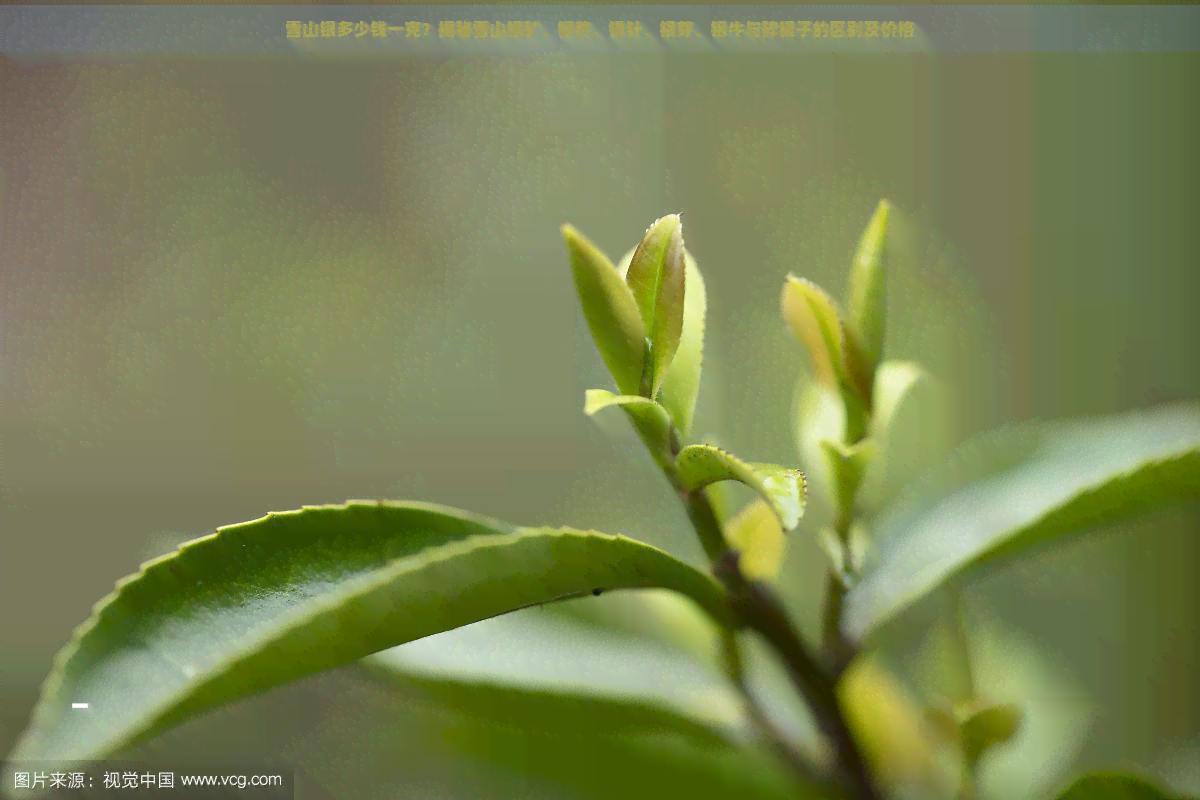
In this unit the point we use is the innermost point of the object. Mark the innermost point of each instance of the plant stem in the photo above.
(838, 651)
(968, 790)
(958, 629)
(762, 612)
(647, 384)
(779, 741)
(857, 416)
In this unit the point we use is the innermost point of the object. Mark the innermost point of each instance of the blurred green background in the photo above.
(231, 287)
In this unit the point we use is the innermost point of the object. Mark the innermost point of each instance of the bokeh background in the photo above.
(235, 286)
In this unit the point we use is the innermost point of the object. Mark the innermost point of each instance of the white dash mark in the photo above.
(78, 705)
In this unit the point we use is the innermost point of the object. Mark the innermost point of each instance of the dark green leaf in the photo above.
(610, 310)
(1072, 476)
(600, 747)
(264, 602)
(1113, 786)
(699, 465)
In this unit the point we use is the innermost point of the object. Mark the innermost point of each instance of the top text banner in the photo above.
(462, 30)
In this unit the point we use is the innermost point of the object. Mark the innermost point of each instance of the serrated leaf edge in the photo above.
(45, 712)
(751, 468)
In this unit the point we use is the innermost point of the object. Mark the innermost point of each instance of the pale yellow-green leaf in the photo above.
(866, 306)
(610, 310)
(912, 423)
(817, 415)
(681, 385)
(756, 535)
(888, 722)
(814, 320)
(657, 276)
(894, 380)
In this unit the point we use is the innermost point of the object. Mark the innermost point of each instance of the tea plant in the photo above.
(264, 602)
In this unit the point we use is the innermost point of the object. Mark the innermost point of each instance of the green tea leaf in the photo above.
(866, 306)
(814, 320)
(894, 380)
(610, 310)
(577, 679)
(681, 386)
(847, 465)
(699, 465)
(755, 533)
(563, 647)
(911, 423)
(600, 747)
(648, 417)
(654, 614)
(817, 415)
(1114, 786)
(858, 378)
(657, 276)
(1072, 476)
(264, 602)
(835, 350)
